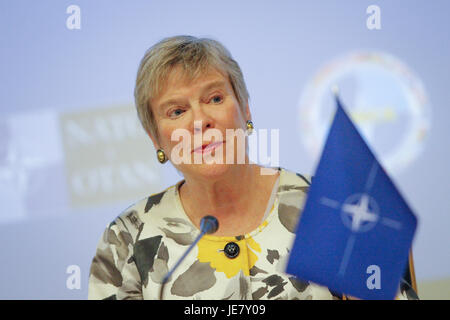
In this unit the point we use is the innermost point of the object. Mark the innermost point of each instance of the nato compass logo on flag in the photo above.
(356, 230)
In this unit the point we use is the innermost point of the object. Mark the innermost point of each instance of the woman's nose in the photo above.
(201, 126)
(202, 121)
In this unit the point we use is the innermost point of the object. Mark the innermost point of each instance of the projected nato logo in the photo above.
(386, 100)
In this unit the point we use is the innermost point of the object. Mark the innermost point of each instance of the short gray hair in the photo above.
(195, 55)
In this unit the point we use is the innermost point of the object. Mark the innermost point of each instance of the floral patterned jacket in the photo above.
(141, 245)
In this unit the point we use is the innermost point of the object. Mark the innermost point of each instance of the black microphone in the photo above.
(208, 225)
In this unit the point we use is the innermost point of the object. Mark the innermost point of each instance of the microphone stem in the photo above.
(169, 274)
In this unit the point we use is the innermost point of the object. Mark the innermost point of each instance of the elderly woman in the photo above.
(187, 88)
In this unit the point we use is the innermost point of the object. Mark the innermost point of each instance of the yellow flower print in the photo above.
(210, 249)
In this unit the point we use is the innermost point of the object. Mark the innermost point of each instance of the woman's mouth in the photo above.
(207, 148)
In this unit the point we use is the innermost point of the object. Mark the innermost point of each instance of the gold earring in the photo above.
(250, 127)
(161, 156)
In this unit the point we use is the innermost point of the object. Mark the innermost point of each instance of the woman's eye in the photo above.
(216, 99)
(176, 113)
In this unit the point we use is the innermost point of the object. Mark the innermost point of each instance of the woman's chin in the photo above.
(209, 171)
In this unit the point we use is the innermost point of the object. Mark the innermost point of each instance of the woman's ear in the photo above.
(248, 115)
(154, 140)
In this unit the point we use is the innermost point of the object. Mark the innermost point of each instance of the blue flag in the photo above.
(356, 230)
